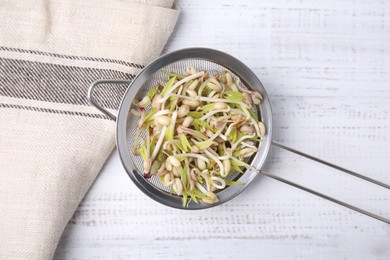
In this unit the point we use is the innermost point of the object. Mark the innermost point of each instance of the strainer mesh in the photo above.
(160, 77)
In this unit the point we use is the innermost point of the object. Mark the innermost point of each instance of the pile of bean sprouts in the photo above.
(199, 131)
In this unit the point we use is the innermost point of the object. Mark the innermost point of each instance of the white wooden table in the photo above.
(326, 66)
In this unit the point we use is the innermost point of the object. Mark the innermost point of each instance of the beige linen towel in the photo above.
(52, 143)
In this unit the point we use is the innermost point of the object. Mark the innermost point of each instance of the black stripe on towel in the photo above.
(58, 83)
(55, 111)
(72, 57)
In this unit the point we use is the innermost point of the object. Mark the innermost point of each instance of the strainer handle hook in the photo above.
(92, 99)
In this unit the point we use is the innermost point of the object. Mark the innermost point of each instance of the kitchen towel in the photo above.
(52, 142)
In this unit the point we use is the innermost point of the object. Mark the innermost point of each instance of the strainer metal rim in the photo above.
(247, 76)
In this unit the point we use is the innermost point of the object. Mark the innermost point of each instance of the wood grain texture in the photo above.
(326, 67)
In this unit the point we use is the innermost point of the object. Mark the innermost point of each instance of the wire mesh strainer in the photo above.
(212, 61)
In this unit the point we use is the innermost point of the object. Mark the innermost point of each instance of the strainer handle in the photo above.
(355, 174)
(367, 213)
(92, 99)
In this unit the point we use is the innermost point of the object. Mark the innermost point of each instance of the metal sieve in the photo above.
(212, 61)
